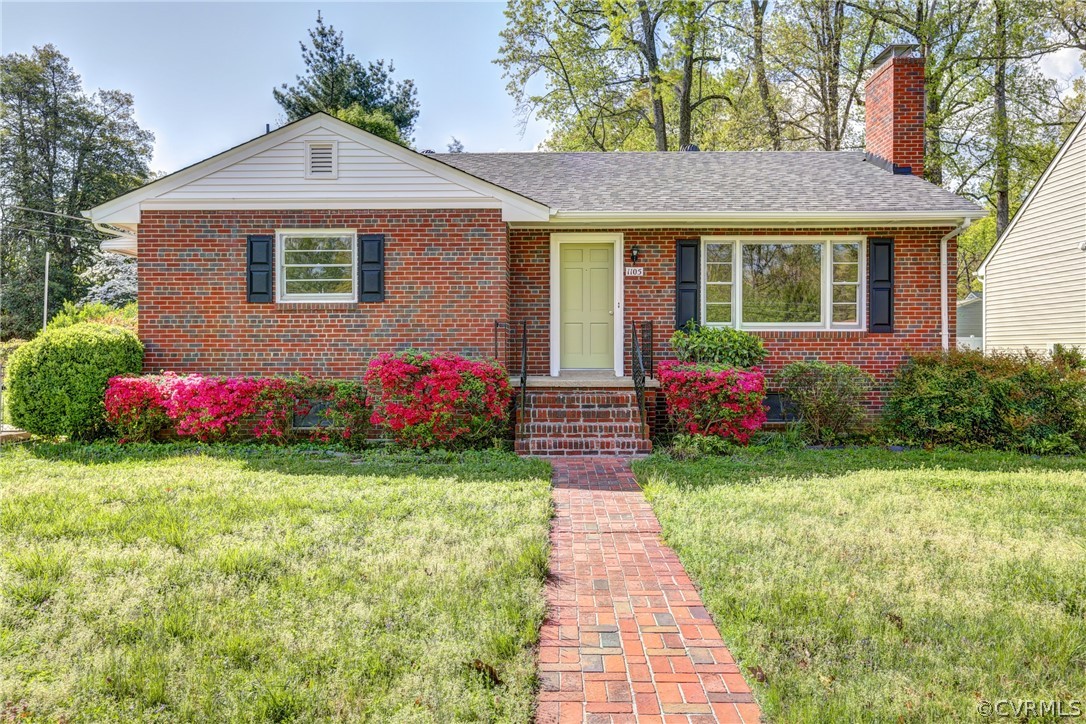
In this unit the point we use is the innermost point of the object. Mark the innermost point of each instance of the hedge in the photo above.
(56, 382)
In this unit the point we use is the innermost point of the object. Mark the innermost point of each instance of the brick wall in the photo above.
(446, 284)
(894, 112)
(652, 296)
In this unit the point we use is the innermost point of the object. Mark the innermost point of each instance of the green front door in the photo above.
(586, 306)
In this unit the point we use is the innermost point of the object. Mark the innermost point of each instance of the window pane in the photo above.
(844, 293)
(317, 257)
(719, 273)
(718, 293)
(846, 272)
(846, 253)
(718, 313)
(717, 253)
(782, 283)
(336, 273)
(315, 243)
(318, 287)
(845, 313)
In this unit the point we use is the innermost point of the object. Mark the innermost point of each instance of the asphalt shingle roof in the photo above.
(757, 181)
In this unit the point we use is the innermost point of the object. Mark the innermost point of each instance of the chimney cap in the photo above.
(895, 50)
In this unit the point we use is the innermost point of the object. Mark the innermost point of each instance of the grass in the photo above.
(183, 583)
(868, 585)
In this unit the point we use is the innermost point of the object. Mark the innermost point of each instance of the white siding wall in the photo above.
(1035, 284)
(364, 175)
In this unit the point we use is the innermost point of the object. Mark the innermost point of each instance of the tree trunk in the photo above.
(1001, 131)
(652, 63)
(686, 87)
(773, 121)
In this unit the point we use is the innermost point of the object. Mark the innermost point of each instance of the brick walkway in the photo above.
(626, 636)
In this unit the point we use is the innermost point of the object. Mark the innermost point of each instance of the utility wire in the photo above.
(49, 213)
(57, 233)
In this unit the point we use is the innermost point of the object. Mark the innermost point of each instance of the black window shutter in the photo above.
(371, 267)
(880, 285)
(259, 260)
(687, 270)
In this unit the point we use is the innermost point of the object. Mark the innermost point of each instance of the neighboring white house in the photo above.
(970, 322)
(1035, 275)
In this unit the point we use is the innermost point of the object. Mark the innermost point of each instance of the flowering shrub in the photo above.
(214, 408)
(426, 400)
(719, 401)
(205, 408)
(340, 406)
(136, 407)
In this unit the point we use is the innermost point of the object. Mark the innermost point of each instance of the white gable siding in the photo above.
(364, 175)
(1035, 282)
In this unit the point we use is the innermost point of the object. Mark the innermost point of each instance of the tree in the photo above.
(455, 146)
(61, 151)
(378, 122)
(112, 280)
(820, 51)
(336, 81)
(616, 75)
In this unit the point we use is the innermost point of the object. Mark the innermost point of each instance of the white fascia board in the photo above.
(122, 216)
(510, 212)
(747, 218)
(1032, 192)
(123, 245)
(520, 206)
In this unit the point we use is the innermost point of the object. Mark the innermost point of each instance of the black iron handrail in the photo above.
(510, 328)
(637, 365)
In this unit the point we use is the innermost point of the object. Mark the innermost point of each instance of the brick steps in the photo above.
(577, 421)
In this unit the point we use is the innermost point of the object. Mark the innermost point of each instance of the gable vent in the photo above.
(321, 160)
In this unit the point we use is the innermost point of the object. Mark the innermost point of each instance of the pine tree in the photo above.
(335, 82)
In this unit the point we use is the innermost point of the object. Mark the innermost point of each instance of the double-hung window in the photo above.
(316, 266)
(783, 282)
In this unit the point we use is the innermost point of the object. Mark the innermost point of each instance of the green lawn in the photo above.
(194, 583)
(869, 585)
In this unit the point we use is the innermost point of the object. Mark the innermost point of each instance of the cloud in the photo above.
(1063, 65)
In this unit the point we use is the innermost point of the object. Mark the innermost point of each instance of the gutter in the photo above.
(750, 218)
(944, 283)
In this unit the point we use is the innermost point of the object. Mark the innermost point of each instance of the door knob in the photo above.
(612, 312)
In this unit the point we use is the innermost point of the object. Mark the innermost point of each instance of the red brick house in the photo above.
(313, 247)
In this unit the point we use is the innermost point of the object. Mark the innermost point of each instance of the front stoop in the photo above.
(579, 421)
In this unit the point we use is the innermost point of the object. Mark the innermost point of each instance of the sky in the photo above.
(202, 73)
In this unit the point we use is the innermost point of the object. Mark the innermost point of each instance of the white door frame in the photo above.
(616, 242)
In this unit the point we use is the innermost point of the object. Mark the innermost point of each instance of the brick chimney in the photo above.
(894, 105)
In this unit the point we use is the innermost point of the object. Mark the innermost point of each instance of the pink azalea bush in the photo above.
(215, 408)
(136, 406)
(204, 408)
(426, 400)
(723, 402)
(342, 405)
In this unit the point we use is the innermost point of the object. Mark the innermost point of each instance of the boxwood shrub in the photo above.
(968, 399)
(56, 381)
(722, 346)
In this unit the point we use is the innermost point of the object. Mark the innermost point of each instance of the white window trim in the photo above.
(335, 159)
(281, 297)
(827, 325)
